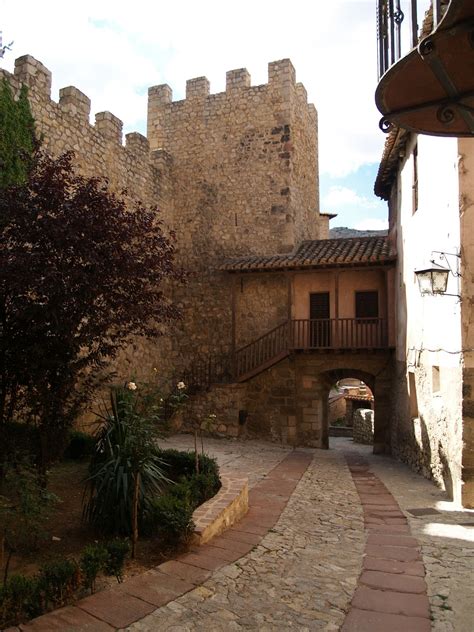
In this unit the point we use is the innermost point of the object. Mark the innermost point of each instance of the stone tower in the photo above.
(244, 180)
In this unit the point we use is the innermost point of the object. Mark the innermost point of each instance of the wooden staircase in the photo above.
(275, 345)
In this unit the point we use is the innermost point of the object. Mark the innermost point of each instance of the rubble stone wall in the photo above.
(99, 151)
(244, 178)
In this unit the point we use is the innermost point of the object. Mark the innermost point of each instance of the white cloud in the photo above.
(112, 51)
(372, 224)
(339, 196)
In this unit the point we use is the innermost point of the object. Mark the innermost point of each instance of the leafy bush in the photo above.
(80, 446)
(204, 485)
(92, 561)
(180, 466)
(59, 580)
(19, 600)
(117, 551)
(170, 519)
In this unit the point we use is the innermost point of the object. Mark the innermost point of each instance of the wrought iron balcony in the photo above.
(430, 90)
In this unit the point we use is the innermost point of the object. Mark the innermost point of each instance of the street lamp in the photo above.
(434, 279)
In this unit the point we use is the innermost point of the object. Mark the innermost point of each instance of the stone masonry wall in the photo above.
(428, 438)
(244, 182)
(288, 402)
(99, 151)
(261, 304)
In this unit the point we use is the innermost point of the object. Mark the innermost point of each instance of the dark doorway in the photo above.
(320, 326)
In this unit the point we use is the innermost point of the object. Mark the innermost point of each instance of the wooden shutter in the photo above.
(319, 305)
(367, 304)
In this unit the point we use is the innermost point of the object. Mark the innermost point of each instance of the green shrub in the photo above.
(181, 466)
(58, 581)
(170, 519)
(204, 485)
(92, 561)
(117, 551)
(80, 446)
(178, 464)
(25, 508)
(19, 600)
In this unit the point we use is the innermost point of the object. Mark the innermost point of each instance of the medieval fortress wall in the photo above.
(99, 151)
(244, 176)
(233, 173)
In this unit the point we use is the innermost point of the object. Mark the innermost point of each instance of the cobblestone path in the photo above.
(301, 576)
(334, 540)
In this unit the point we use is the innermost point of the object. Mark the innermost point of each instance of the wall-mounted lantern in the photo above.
(434, 279)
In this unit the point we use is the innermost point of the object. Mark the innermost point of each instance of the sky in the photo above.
(114, 50)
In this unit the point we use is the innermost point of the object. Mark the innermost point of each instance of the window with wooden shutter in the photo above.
(367, 304)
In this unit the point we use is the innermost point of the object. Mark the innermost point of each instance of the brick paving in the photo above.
(392, 594)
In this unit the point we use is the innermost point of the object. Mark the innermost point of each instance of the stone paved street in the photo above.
(305, 571)
(333, 540)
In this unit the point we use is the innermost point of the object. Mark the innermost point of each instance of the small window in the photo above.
(367, 304)
(413, 396)
(435, 380)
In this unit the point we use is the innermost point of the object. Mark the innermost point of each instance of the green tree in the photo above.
(17, 135)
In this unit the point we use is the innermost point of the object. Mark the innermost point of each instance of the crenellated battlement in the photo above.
(198, 88)
(75, 102)
(281, 77)
(73, 107)
(33, 74)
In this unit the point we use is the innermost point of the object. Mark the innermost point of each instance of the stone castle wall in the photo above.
(261, 303)
(244, 178)
(99, 151)
(233, 173)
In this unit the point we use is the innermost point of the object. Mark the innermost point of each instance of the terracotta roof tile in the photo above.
(320, 253)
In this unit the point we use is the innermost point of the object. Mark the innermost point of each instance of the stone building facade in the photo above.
(431, 427)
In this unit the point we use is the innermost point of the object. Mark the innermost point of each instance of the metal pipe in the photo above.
(414, 23)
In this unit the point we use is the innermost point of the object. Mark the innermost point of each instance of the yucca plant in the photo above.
(125, 471)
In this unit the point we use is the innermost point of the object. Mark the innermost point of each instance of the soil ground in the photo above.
(66, 482)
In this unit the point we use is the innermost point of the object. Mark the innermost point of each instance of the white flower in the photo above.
(180, 386)
(132, 386)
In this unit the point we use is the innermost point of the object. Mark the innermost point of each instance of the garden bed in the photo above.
(166, 531)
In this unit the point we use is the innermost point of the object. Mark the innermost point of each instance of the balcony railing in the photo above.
(390, 36)
(340, 333)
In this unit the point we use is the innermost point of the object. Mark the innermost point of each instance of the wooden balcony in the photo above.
(339, 333)
(307, 335)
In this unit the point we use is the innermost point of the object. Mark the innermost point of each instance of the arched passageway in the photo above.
(316, 374)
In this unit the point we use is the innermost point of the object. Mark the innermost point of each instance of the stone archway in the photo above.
(315, 374)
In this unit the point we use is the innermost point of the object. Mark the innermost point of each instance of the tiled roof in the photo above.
(360, 397)
(320, 253)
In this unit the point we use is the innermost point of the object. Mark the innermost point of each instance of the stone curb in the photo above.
(119, 607)
(227, 507)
